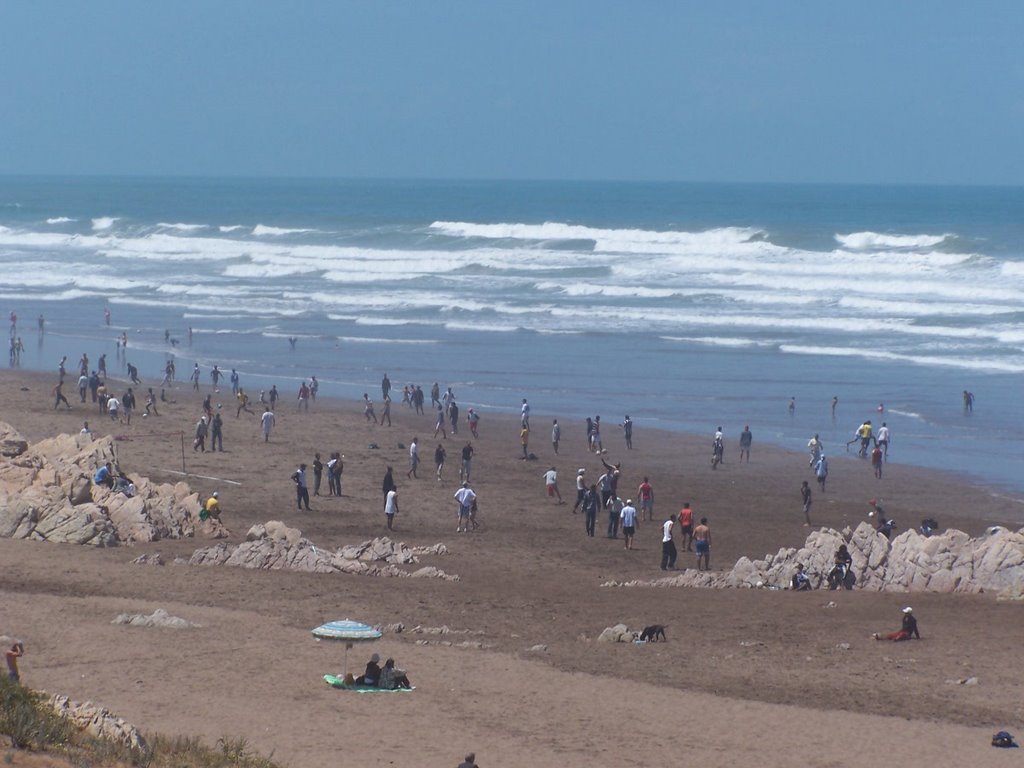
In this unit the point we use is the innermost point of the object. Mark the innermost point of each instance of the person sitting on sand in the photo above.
(371, 676)
(392, 678)
(469, 762)
(907, 630)
(800, 582)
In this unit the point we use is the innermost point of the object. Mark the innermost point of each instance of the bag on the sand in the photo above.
(1003, 739)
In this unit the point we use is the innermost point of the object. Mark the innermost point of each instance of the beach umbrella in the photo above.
(348, 632)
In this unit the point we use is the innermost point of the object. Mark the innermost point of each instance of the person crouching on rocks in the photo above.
(907, 630)
(800, 582)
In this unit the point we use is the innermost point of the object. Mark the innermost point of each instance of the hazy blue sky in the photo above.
(767, 90)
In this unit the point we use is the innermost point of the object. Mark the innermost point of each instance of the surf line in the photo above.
(201, 477)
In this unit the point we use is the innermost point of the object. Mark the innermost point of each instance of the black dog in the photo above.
(653, 633)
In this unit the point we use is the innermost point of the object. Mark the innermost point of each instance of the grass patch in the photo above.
(29, 723)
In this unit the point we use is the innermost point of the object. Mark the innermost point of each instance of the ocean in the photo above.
(687, 306)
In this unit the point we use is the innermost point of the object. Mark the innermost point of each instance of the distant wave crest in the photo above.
(867, 241)
(103, 222)
(60, 220)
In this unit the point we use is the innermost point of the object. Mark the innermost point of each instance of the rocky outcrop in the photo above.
(100, 722)
(950, 561)
(158, 618)
(47, 493)
(273, 546)
(618, 634)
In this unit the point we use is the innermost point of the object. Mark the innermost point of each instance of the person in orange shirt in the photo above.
(686, 526)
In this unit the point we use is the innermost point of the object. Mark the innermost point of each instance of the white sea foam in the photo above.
(560, 231)
(230, 227)
(875, 240)
(103, 222)
(907, 414)
(180, 227)
(716, 341)
(60, 220)
(262, 230)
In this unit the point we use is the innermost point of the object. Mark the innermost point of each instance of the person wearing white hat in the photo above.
(581, 488)
(908, 628)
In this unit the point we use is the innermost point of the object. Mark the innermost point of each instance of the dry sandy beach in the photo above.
(746, 677)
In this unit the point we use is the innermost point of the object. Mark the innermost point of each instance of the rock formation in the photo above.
(99, 722)
(950, 561)
(274, 546)
(47, 494)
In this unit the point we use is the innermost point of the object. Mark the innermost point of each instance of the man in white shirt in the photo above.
(525, 414)
(414, 458)
(668, 546)
(628, 518)
(581, 488)
(551, 481)
(465, 496)
(882, 440)
(391, 507)
(301, 489)
(267, 423)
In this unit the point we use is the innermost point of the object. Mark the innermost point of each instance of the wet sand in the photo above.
(745, 675)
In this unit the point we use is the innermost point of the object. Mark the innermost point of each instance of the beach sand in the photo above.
(747, 676)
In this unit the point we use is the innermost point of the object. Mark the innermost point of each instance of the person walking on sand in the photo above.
(805, 496)
(439, 456)
(15, 652)
(303, 397)
(646, 495)
(414, 458)
(435, 395)
(821, 471)
(882, 440)
(702, 537)
(217, 433)
(368, 408)
(614, 506)
(467, 462)
(814, 447)
(627, 516)
(301, 489)
(876, 461)
(551, 483)
(473, 419)
(439, 425)
(556, 435)
(391, 508)
(524, 438)
(746, 438)
(385, 415)
(202, 429)
(194, 378)
(581, 488)
(668, 546)
(58, 397)
(267, 423)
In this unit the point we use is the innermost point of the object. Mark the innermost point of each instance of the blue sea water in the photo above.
(685, 305)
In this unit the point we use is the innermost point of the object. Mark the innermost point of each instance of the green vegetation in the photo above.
(27, 722)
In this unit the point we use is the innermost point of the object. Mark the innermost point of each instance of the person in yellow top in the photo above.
(524, 438)
(864, 433)
(212, 507)
(243, 403)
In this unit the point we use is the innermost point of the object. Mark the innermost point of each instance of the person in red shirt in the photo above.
(646, 495)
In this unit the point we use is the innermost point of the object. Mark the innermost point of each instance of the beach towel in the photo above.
(336, 682)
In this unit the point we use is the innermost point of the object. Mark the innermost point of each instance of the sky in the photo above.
(873, 91)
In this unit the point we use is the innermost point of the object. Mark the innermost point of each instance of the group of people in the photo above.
(388, 677)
